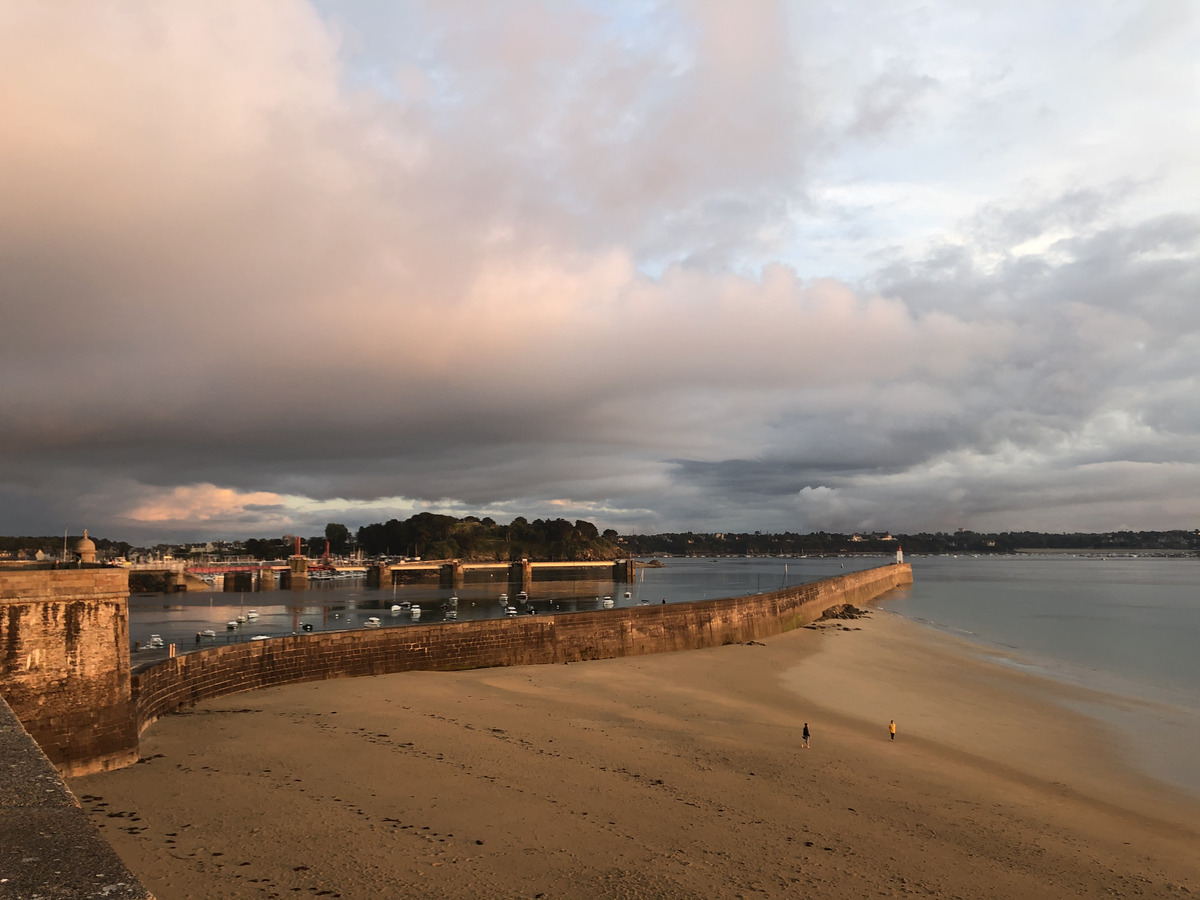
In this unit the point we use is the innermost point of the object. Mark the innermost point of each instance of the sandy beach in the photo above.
(674, 776)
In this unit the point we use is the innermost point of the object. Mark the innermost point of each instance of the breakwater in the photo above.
(528, 640)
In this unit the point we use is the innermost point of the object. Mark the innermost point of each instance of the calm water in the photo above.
(1127, 627)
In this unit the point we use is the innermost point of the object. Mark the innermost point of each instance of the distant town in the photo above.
(431, 536)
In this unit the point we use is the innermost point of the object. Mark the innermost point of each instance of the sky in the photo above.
(664, 266)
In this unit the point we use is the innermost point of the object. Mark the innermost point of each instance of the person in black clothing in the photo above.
(806, 734)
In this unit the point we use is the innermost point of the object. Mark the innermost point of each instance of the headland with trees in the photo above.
(433, 536)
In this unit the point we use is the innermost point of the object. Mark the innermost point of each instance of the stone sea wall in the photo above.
(64, 663)
(527, 640)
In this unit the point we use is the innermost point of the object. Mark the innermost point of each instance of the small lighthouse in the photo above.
(899, 556)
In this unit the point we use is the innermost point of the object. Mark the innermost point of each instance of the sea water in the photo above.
(1126, 627)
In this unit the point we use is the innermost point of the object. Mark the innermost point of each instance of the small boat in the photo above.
(628, 595)
(607, 603)
(401, 607)
(522, 597)
(208, 633)
(155, 642)
(504, 599)
(306, 626)
(231, 624)
(453, 601)
(416, 611)
(252, 614)
(510, 610)
(372, 622)
(261, 637)
(452, 613)
(241, 620)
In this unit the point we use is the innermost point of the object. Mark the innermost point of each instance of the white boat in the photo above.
(510, 610)
(261, 637)
(453, 601)
(416, 611)
(252, 614)
(208, 633)
(452, 613)
(607, 602)
(372, 622)
(401, 607)
(241, 620)
(628, 595)
(231, 624)
(155, 642)
(504, 599)
(522, 597)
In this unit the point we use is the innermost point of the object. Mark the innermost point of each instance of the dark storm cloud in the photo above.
(544, 261)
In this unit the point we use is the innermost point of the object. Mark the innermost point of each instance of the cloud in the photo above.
(664, 266)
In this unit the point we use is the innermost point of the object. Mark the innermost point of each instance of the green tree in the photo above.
(338, 537)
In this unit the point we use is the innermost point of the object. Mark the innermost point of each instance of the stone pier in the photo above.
(520, 576)
(236, 582)
(296, 576)
(450, 575)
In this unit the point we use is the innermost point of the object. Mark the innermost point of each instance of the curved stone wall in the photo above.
(526, 640)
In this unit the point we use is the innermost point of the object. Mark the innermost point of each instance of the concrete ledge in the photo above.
(49, 849)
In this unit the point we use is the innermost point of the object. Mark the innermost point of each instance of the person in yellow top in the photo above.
(892, 728)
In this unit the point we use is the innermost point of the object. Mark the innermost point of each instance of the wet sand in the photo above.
(670, 776)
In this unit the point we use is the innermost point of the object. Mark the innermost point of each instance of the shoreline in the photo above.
(993, 711)
(1155, 728)
(673, 775)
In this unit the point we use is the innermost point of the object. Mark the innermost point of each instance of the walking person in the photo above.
(892, 729)
(806, 734)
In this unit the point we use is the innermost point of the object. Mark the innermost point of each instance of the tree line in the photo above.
(433, 536)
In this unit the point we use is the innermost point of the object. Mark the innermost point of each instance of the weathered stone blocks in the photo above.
(64, 664)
